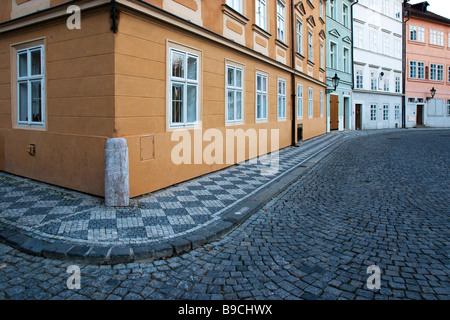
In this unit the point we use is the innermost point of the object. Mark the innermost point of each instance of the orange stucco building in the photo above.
(427, 67)
(142, 70)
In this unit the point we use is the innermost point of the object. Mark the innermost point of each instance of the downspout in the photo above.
(351, 29)
(404, 62)
(114, 17)
(293, 87)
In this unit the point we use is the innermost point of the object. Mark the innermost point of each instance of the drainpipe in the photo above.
(404, 62)
(351, 29)
(293, 87)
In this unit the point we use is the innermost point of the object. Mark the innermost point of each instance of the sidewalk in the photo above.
(56, 223)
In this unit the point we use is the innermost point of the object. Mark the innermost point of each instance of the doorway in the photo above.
(346, 113)
(334, 112)
(419, 114)
(358, 116)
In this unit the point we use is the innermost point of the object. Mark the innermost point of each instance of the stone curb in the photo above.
(120, 254)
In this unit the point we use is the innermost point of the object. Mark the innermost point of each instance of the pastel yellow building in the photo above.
(142, 70)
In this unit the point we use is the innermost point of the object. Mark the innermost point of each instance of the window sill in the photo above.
(261, 31)
(234, 14)
(34, 127)
(436, 46)
(281, 44)
(299, 55)
(312, 64)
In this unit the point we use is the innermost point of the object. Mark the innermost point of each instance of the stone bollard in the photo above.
(117, 185)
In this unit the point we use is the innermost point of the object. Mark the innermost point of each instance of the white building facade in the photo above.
(377, 40)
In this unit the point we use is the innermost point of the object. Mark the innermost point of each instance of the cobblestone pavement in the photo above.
(380, 199)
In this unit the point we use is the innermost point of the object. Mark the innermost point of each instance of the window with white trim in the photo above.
(448, 75)
(299, 37)
(397, 84)
(420, 70)
(261, 14)
(436, 37)
(359, 37)
(299, 101)
(373, 81)
(397, 113)
(310, 46)
(310, 102)
(436, 72)
(261, 97)
(373, 112)
(398, 10)
(385, 7)
(280, 21)
(359, 79)
(332, 10)
(373, 40)
(416, 33)
(234, 102)
(397, 48)
(31, 86)
(184, 86)
(322, 64)
(321, 103)
(281, 99)
(386, 45)
(386, 81)
(385, 112)
(345, 15)
(346, 60)
(321, 9)
(333, 55)
(448, 107)
(235, 4)
(413, 69)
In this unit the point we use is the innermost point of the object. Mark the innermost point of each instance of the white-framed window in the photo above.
(345, 15)
(373, 81)
(448, 107)
(385, 112)
(420, 70)
(281, 99)
(346, 60)
(416, 33)
(261, 13)
(397, 48)
(386, 45)
(235, 4)
(436, 37)
(261, 97)
(448, 75)
(310, 102)
(299, 101)
(280, 21)
(333, 55)
(373, 40)
(310, 46)
(299, 37)
(332, 10)
(184, 86)
(436, 72)
(359, 37)
(359, 79)
(321, 9)
(413, 69)
(386, 82)
(322, 63)
(31, 86)
(373, 112)
(386, 7)
(234, 98)
(396, 112)
(398, 10)
(321, 103)
(398, 83)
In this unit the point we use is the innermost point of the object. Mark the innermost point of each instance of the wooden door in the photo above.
(358, 117)
(334, 112)
(419, 114)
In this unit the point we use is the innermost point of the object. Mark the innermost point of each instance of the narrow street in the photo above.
(381, 199)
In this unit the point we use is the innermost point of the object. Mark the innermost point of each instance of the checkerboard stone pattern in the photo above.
(53, 213)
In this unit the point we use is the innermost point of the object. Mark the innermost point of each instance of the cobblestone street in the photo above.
(380, 199)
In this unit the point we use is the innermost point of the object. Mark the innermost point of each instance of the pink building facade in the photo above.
(427, 68)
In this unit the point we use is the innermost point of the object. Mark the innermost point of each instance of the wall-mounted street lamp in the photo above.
(334, 82)
(433, 92)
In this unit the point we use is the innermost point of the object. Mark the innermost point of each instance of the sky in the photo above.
(440, 7)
